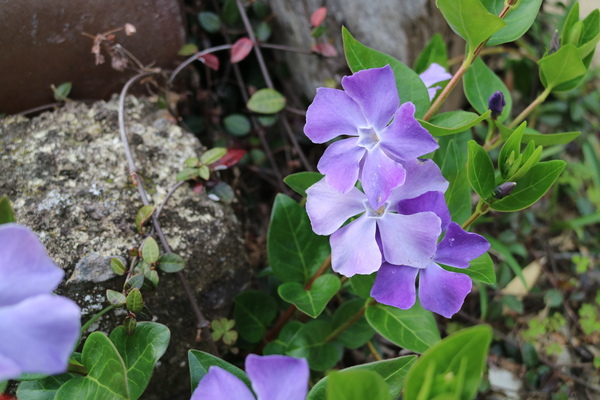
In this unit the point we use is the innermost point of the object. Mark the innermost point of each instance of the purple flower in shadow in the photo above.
(435, 73)
(38, 329)
(377, 234)
(383, 135)
(440, 291)
(273, 378)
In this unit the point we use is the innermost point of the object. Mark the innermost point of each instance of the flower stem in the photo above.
(539, 100)
(94, 318)
(346, 324)
(482, 208)
(374, 351)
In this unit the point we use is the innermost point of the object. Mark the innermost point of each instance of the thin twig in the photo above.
(286, 48)
(194, 58)
(40, 108)
(169, 194)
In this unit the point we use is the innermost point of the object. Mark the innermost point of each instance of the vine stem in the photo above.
(95, 318)
(203, 324)
(481, 209)
(193, 58)
(539, 100)
(349, 322)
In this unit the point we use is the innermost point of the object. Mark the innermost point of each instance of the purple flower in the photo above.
(361, 246)
(440, 291)
(496, 103)
(382, 135)
(272, 377)
(435, 73)
(39, 330)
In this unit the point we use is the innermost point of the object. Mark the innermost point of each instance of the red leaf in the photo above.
(198, 188)
(324, 49)
(230, 159)
(318, 16)
(210, 60)
(240, 50)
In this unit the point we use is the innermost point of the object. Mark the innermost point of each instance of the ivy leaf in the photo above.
(313, 301)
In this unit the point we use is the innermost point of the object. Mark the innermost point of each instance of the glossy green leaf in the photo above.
(434, 52)
(531, 187)
(295, 252)
(310, 342)
(359, 332)
(414, 329)
(266, 101)
(301, 181)
(136, 281)
(209, 21)
(571, 19)
(212, 155)
(253, 313)
(362, 285)
(107, 374)
(458, 194)
(549, 139)
(62, 91)
(188, 50)
(42, 389)
(135, 301)
(393, 372)
(129, 325)
(150, 252)
(200, 362)
(143, 215)
(453, 122)
(480, 83)
(356, 384)
(312, 302)
(481, 269)
(511, 150)
(454, 366)
(237, 124)
(518, 20)
(480, 170)
(470, 20)
(117, 266)
(528, 161)
(562, 70)
(140, 352)
(280, 345)
(115, 298)
(171, 262)
(7, 214)
(410, 86)
(152, 277)
(187, 173)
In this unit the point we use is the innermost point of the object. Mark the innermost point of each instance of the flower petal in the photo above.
(422, 176)
(405, 138)
(432, 91)
(8, 369)
(328, 209)
(222, 385)
(375, 91)
(441, 291)
(354, 249)
(459, 247)
(39, 333)
(430, 201)
(25, 268)
(395, 286)
(340, 164)
(380, 174)
(434, 74)
(409, 239)
(278, 377)
(331, 114)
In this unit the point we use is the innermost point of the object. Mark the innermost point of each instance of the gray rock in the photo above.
(67, 177)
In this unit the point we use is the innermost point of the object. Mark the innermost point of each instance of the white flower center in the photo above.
(372, 213)
(367, 138)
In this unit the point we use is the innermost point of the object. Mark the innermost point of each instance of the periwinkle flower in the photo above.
(377, 234)
(440, 291)
(496, 104)
(273, 378)
(38, 329)
(383, 135)
(435, 73)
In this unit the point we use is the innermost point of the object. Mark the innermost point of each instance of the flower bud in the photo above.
(554, 43)
(496, 103)
(501, 191)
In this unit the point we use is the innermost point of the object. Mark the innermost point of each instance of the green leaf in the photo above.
(518, 20)
(357, 384)
(453, 122)
(140, 352)
(312, 302)
(458, 194)
(362, 285)
(188, 50)
(62, 91)
(136, 281)
(414, 329)
(209, 21)
(115, 298)
(480, 170)
(470, 20)
(480, 83)
(186, 174)
(410, 86)
(143, 215)
(237, 124)
(549, 139)
(231, 14)
(135, 301)
(454, 365)
(212, 155)
(563, 70)
(434, 52)
(200, 362)
(42, 389)
(310, 342)
(6, 212)
(280, 345)
(266, 101)
(511, 150)
(152, 276)
(301, 181)
(171, 262)
(254, 311)
(570, 20)
(506, 255)
(480, 269)
(129, 325)
(204, 172)
(107, 375)
(528, 161)
(295, 252)
(150, 252)
(393, 372)
(531, 187)
(359, 332)
(117, 266)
